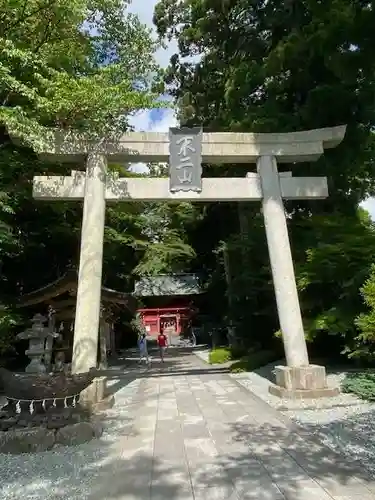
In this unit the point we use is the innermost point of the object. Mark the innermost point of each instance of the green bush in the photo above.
(220, 355)
(365, 322)
(253, 361)
(361, 384)
(238, 352)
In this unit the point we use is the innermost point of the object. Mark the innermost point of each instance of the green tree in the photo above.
(164, 227)
(364, 342)
(336, 259)
(279, 67)
(85, 65)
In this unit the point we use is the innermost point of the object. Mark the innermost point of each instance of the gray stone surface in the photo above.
(26, 440)
(87, 317)
(217, 147)
(187, 431)
(345, 423)
(40, 439)
(302, 377)
(279, 250)
(75, 434)
(150, 189)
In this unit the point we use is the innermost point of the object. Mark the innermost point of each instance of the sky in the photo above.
(162, 119)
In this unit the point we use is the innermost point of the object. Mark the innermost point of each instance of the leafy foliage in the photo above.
(8, 320)
(164, 228)
(86, 65)
(338, 255)
(365, 340)
(260, 66)
(361, 384)
(245, 363)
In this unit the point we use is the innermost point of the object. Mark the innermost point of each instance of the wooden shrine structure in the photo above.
(168, 303)
(57, 301)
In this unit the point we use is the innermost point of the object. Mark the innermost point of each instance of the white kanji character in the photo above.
(186, 144)
(187, 177)
(188, 163)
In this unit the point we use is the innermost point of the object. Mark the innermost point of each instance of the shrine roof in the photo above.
(168, 285)
(68, 283)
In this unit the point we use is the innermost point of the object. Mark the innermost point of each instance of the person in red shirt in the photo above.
(162, 343)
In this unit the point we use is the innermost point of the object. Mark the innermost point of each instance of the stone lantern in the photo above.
(37, 335)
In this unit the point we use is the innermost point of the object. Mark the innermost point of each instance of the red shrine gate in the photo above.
(160, 319)
(169, 300)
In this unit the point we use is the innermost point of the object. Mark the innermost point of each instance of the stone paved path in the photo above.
(186, 431)
(194, 433)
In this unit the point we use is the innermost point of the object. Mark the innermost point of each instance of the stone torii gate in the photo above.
(96, 187)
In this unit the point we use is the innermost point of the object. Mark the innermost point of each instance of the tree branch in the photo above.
(24, 17)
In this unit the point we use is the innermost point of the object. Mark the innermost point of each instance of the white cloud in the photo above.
(145, 11)
(143, 123)
(169, 120)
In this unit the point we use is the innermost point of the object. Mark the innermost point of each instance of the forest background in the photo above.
(239, 65)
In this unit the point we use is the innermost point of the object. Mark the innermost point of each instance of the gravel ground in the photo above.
(68, 473)
(344, 423)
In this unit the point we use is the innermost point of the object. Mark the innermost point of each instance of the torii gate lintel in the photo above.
(217, 147)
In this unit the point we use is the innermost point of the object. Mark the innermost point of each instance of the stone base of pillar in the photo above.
(304, 382)
(94, 398)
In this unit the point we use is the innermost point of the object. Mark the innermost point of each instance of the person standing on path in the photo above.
(162, 343)
(139, 327)
(143, 353)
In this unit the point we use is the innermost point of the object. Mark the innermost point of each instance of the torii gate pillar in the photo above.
(88, 303)
(298, 379)
(282, 263)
